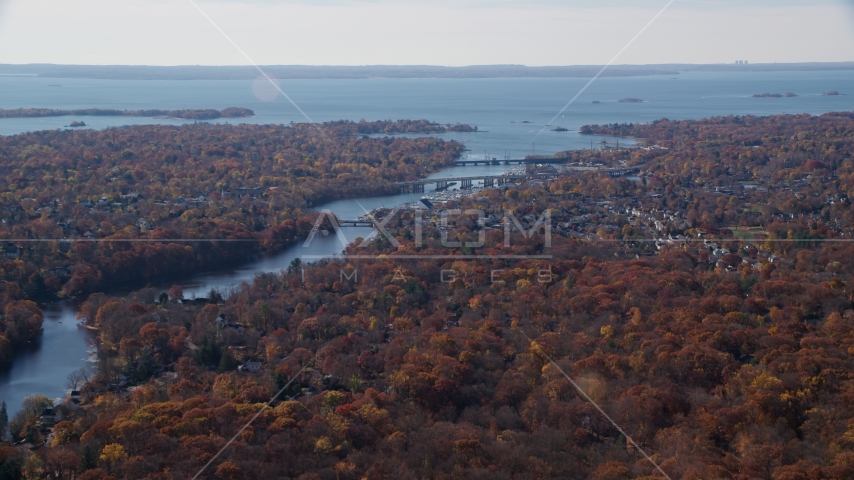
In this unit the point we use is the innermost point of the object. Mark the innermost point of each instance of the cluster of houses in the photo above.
(588, 218)
(751, 255)
(661, 220)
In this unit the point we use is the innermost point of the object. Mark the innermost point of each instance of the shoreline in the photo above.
(197, 114)
(122, 290)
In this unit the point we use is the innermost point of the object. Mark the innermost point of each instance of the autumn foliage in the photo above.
(717, 364)
(168, 195)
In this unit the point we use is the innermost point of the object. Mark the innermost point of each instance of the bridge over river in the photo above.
(417, 186)
(509, 161)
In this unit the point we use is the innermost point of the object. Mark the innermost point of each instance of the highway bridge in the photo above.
(508, 161)
(466, 182)
(355, 223)
(418, 186)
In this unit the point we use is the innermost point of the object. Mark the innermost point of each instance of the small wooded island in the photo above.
(77, 123)
(774, 95)
(399, 127)
(189, 114)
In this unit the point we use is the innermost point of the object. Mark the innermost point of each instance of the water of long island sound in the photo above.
(500, 107)
(509, 112)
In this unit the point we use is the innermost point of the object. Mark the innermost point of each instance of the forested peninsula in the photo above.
(186, 185)
(189, 114)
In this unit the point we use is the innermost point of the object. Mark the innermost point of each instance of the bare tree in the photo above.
(77, 379)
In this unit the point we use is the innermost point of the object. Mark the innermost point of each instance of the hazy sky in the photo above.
(435, 32)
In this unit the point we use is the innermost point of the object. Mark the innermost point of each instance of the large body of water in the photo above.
(491, 104)
(497, 106)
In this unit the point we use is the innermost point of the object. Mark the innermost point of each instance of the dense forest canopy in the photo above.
(246, 182)
(711, 321)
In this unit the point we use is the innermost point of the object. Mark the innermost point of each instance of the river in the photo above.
(42, 368)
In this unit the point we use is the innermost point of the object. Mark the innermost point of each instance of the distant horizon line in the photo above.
(350, 72)
(424, 65)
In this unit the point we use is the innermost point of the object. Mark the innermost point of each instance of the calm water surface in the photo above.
(491, 104)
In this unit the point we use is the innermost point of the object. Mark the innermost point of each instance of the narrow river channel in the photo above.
(42, 368)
